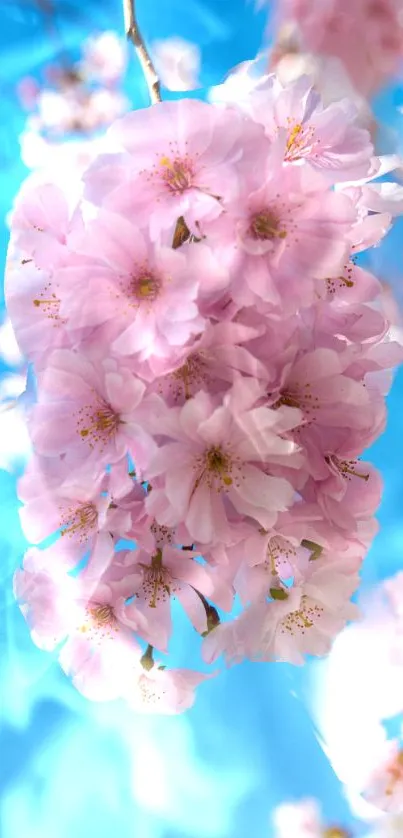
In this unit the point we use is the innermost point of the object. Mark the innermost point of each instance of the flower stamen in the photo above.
(97, 424)
(265, 225)
(145, 286)
(177, 173)
(347, 468)
(155, 581)
(81, 521)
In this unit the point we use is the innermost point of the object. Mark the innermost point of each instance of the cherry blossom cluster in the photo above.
(211, 363)
(330, 27)
(78, 97)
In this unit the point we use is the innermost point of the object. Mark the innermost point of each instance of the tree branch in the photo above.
(133, 35)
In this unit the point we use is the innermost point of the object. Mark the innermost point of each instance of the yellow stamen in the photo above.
(293, 136)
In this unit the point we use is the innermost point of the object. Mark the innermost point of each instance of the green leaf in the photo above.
(316, 549)
(278, 593)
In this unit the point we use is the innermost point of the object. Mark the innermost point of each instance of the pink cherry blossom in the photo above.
(34, 305)
(87, 412)
(184, 157)
(45, 597)
(41, 222)
(160, 690)
(81, 612)
(330, 27)
(269, 562)
(293, 623)
(147, 294)
(156, 579)
(222, 454)
(81, 509)
(325, 137)
(384, 787)
(289, 233)
(211, 362)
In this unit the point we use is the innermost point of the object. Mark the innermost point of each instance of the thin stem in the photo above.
(133, 34)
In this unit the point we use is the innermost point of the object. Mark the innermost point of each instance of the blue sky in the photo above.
(70, 768)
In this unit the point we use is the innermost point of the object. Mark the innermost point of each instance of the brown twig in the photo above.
(133, 34)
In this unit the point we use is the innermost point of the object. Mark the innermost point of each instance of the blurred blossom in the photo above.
(14, 440)
(353, 701)
(104, 58)
(9, 350)
(77, 111)
(383, 786)
(327, 75)
(329, 78)
(388, 827)
(77, 98)
(330, 27)
(120, 769)
(59, 161)
(239, 82)
(303, 820)
(15, 445)
(177, 63)
(28, 90)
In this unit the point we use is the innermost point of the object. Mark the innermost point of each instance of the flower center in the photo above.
(100, 622)
(347, 468)
(49, 303)
(176, 173)
(287, 399)
(192, 372)
(265, 225)
(102, 615)
(299, 140)
(395, 772)
(334, 284)
(303, 619)
(217, 468)
(150, 691)
(299, 396)
(97, 424)
(219, 463)
(293, 136)
(155, 581)
(279, 554)
(81, 521)
(335, 832)
(146, 286)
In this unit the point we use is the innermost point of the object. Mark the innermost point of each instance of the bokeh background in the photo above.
(254, 737)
